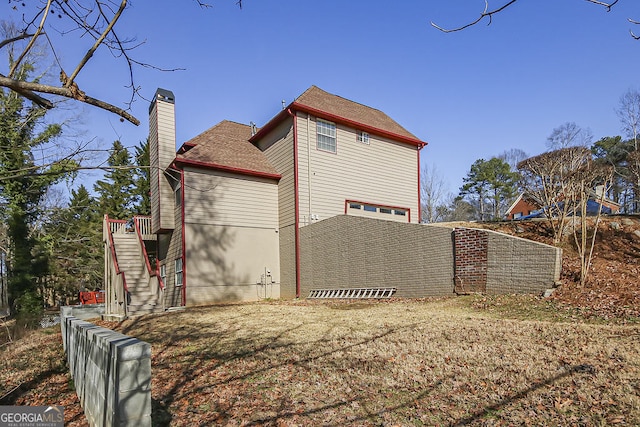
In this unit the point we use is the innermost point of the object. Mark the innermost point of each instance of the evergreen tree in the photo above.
(116, 195)
(614, 151)
(142, 186)
(490, 183)
(76, 250)
(23, 184)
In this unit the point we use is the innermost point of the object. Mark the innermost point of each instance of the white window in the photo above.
(399, 212)
(179, 272)
(163, 273)
(363, 137)
(326, 138)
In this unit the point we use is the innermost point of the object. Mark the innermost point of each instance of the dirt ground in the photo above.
(612, 288)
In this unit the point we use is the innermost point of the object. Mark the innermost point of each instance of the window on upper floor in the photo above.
(326, 136)
(363, 137)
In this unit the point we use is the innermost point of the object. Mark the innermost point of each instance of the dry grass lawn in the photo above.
(455, 361)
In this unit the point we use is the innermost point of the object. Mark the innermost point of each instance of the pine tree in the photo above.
(142, 186)
(116, 194)
(490, 182)
(76, 250)
(23, 184)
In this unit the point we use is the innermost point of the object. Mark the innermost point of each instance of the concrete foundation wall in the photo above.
(353, 252)
(287, 247)
(111, 373)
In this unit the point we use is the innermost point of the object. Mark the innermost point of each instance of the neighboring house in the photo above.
(526, 206)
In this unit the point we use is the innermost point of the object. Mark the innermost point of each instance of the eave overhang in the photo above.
(224, 168)
(294, 106)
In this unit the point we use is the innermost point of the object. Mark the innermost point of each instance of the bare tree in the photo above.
(92, 24)
(549, 178)
(569, 134)
(586, 178)
(633, 164)
(432, 194)
(513, 156)
(488, 14)
(629, 113)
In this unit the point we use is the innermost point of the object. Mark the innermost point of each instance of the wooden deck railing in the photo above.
(143, 226)
(117, 290)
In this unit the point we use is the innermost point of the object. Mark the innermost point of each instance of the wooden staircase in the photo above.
(142, 299)
(132, 287)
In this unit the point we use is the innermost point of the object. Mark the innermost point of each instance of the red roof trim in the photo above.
(357, 125)
(270, 125)
(224, 168)
(186, 147)
(334, 118)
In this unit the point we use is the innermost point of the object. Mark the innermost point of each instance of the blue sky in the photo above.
(470, 95)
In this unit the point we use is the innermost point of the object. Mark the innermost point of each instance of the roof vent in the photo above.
(254, 129)
(284, 104)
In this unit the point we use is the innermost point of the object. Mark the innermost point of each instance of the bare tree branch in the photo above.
(94, 18)
(608, 6)
(97, 44)
(8, 41)
(31, 96)
(27, 49)
(485, 14)
(489, 15)
(21, 86)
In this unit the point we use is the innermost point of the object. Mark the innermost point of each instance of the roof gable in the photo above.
(320, 100)
(226, 146)
(335, 108)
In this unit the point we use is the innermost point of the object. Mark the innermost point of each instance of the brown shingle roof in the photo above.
(226, 146)
(318, 99)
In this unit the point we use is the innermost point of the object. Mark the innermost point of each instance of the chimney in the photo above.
(162, 152)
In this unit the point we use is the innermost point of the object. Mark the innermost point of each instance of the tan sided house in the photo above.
(227, 208)
(322, 201)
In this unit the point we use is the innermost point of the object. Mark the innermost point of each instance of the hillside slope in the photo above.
(613, 287)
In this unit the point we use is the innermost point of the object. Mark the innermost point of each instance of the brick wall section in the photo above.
(471, 248)
(355, 252)
(517, 265)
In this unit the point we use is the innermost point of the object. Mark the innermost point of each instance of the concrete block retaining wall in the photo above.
(111, 373)
(345, 252)
(516, 265)
(354, 252)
